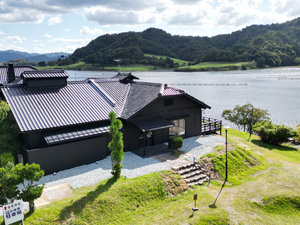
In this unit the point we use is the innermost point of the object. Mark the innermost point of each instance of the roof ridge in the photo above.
(147, 83)
(46, 71)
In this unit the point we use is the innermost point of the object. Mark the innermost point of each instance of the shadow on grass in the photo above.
(80, 204)
(213, 206)
(273, 147)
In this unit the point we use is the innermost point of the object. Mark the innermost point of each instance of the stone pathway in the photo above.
(193, 149)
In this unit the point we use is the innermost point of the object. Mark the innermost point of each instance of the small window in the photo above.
(168, 102)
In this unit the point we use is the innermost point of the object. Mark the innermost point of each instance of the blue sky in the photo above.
(64, 25)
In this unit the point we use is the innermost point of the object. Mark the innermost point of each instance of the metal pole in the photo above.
(226, 163)
(144, 153)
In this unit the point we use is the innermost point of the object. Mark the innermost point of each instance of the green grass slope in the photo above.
(263, 188)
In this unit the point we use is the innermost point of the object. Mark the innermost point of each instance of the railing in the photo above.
(210, 125)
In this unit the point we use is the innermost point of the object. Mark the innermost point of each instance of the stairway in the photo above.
(192, 173)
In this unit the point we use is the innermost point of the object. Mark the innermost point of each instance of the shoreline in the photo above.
(212, 69)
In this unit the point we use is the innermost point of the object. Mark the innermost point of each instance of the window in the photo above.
(178, 129)
(168, 102)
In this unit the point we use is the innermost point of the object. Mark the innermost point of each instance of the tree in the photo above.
(246, 116)
(9, 135)
(28, 175)
(8, 184)
(42, 63)
(298, 132)
(272, 133)
(116, 144)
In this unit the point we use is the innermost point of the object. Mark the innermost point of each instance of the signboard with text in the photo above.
(13, 212)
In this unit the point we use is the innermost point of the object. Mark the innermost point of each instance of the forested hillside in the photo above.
(267, 45)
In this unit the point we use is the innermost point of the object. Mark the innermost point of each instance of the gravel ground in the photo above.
(133, 166)
(199, 146)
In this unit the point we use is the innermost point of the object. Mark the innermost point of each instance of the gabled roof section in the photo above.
(51, 107)
(125, 77)
(82, 102)
(17, 69)
(140, 95)
(41, 74)
(168, 90)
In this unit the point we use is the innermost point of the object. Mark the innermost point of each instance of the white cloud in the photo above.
(91, 31)
(70, 40)
(54, 20)
(2, 33)
(47, 36)
(111, 16)
(16, 39)
(288, 7)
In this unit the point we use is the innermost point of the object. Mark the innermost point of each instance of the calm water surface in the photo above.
(277, 90)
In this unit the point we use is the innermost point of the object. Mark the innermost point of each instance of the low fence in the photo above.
(210, 125)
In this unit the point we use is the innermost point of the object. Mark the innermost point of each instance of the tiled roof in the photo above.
(55, 138)
(82, 102)
(169, 90)
(140, 95)
(18, 71)
(76, 103)
(45, 74)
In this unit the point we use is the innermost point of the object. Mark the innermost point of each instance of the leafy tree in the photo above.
(116, 144)
(298, 132)
(9, 136)
(28, 175)
(6, 158)
(42, 63)
(261, 62)
(8, 184)
(245, 116)
(272, 133)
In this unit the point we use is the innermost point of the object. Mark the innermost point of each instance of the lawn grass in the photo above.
(266, 196)
(218, 66)
(90, 67)
(73, 66)
(241, 164)
(179, 61)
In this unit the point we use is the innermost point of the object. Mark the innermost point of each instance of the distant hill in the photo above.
(271, 45)
(9, 55)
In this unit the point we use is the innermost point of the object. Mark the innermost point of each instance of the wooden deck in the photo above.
(210, 125)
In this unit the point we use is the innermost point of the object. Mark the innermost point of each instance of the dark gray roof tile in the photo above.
(38, 74)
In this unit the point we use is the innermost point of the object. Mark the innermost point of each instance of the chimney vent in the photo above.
(10, 73)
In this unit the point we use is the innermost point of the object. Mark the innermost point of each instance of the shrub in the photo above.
(298, 132)
(272, 133)
(5, 158)
(9, 135)
(175, 142)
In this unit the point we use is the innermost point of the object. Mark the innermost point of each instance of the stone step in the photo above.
(199, 182)
(187, 170)
(182, 167)
(193, 173)
(196, 178)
